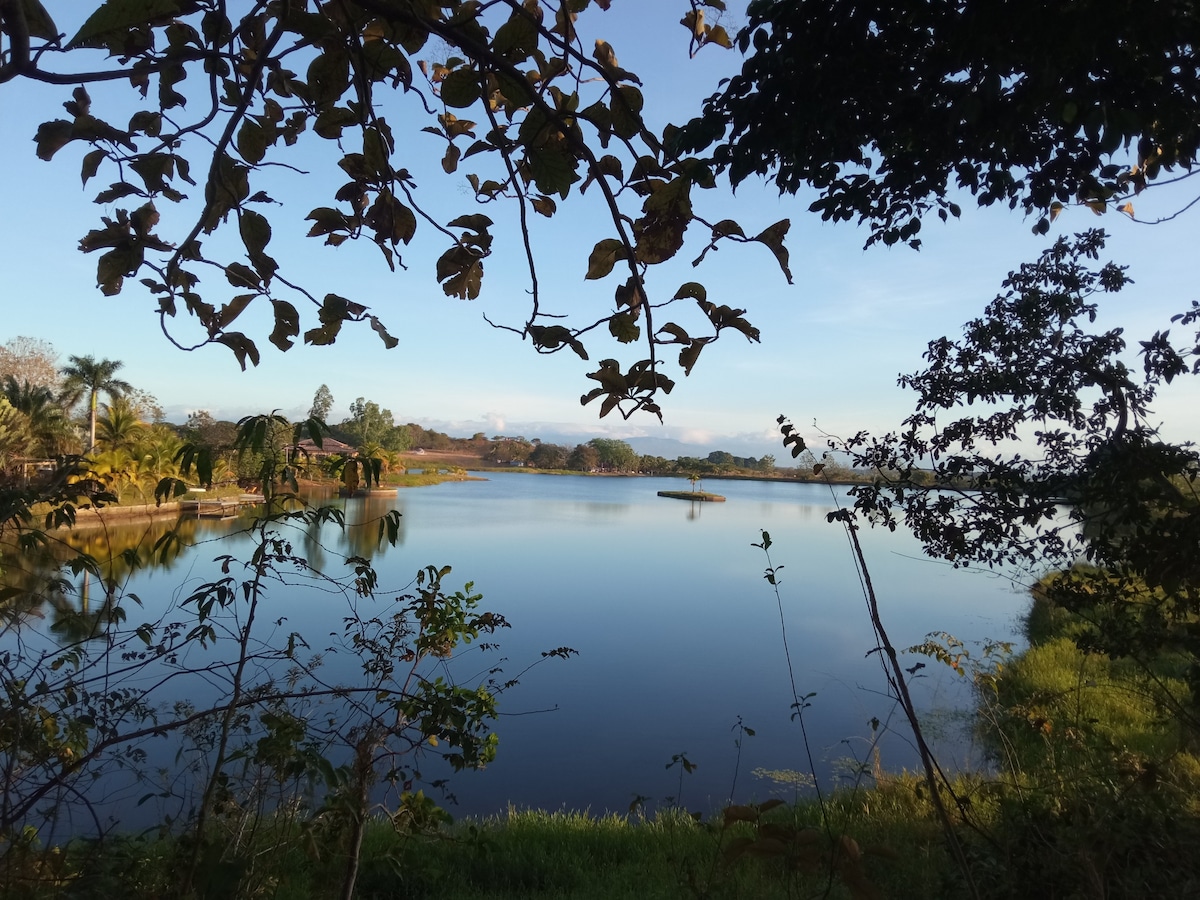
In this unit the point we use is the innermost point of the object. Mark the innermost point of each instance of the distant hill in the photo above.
(668, 448)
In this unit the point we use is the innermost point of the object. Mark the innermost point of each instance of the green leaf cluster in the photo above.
(229, 91)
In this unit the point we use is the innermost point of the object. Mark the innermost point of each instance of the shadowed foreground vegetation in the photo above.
(1093, 793)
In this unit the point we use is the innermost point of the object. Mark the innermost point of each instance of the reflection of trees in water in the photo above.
(78, 575)
(362, 536)
(89, 621)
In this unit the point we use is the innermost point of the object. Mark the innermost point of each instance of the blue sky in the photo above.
(832, 346)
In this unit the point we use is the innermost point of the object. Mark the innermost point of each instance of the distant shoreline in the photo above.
(93, 517)
(789, 479)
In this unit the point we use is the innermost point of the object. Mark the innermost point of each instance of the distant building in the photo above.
(329, 447)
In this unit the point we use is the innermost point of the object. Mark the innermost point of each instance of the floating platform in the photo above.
(371, 492)
(701, 496)
(218, 508)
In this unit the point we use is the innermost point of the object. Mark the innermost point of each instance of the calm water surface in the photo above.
(677, 631)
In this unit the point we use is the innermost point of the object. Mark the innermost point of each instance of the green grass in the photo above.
(582, 857)
(574, 856)
(1056, 702)
(1098, 788)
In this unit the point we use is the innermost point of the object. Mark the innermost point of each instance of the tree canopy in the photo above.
(1090, 479)
(529, 116)
(322, 403)
(892, 110)
(30, 360)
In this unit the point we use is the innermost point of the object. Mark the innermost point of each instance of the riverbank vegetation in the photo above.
(1091, 793)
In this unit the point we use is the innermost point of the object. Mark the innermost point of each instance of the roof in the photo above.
(328, 447)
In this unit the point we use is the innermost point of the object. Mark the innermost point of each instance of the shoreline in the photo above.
(92, 517)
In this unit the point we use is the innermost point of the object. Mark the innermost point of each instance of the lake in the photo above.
(677, 631)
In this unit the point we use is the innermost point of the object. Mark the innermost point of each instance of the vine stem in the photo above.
(797, 704)
(934, 778)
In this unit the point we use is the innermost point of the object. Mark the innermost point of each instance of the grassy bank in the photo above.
(884, 842)
(1098, 784)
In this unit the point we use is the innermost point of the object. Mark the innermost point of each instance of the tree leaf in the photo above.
(255, 230)
(693, 290)
(718, 35)
(287, 324)
(603, 257)
(91, 164)
(378, 327)
(626, 106)
(252, 142)
(233, 309)
(241, 276)
(461, 88)
(147, 122)
(773, 237)
(52, 137)
(115, 16)
(38, 21)
(553, 170)
(727, 227)
(461, 273)
(473, 221)
(517, 39)
(679, 336)
(689, 354)
(243, 348)
(623, 326)
(328, 77)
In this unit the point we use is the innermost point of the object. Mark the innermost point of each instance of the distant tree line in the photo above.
(47, 410)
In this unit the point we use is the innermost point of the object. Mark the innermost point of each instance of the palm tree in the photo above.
(120, 428)
(94, 377)
(14, 433)
(116, 468)
(44, 415)
(158, 452)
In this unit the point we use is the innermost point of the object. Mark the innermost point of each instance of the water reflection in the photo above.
(665, 600)
(71, 571)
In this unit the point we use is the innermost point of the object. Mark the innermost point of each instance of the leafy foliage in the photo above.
(278, 739)
(14, 434)
(45, 417)
(614, 455)
(889, 110)
(527, 117)
(1102, 486)
(322, 403)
